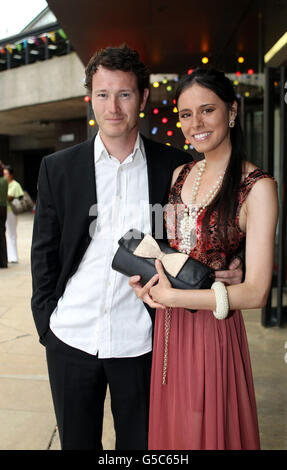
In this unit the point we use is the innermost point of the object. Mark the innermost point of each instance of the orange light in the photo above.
(240, 60)
(205, 60)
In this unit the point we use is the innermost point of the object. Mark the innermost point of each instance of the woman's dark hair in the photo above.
(225, 201)
(10, 169)
(118, 58)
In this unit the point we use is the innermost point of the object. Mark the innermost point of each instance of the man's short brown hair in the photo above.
(118, 58)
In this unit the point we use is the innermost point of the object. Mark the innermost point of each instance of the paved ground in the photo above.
(27, 420)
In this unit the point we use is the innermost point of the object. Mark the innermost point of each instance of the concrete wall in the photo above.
(42, 82)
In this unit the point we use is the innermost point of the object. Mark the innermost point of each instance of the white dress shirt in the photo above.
(99, 312)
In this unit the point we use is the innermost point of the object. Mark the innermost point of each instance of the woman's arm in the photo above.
(261, 220)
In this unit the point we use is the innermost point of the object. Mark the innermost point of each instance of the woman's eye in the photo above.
(184, 115)
(208, 110)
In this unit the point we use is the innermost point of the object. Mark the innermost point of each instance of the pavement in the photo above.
(27, 419)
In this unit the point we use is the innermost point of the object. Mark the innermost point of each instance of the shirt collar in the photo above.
(100, 150)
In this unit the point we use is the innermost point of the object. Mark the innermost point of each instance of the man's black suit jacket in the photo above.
(66, 192)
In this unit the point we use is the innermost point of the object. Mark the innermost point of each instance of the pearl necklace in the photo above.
(192, 212)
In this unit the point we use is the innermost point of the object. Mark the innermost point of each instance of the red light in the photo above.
(169, 133)
(238, 74)
(174, 101)
(87, 99)
(250, 71)
(187, 142)
(189, 72)
(155, 111)
(164, 120)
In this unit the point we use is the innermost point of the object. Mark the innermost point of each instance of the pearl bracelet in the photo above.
(222, 305)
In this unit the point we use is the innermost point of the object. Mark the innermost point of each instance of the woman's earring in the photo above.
(232, 123)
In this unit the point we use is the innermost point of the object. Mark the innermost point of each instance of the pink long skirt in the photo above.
(208, 401)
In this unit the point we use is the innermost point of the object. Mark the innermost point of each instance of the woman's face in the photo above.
(204, 118)
(7, 175)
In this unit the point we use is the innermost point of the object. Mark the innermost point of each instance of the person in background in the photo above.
(14, 191)
(3, 216)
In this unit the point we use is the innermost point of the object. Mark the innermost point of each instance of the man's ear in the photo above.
(144, 99)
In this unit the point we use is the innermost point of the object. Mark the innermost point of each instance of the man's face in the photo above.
(116, 102)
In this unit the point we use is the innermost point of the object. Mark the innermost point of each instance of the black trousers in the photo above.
(78, 384)
(3, 246)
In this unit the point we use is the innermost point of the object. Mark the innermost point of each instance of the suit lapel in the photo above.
(158, 175)
(83, 173)
(159, 183)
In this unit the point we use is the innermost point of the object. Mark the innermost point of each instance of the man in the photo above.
(96, 331)
(3, 216)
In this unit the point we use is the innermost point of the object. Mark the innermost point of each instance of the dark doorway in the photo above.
(32, 160)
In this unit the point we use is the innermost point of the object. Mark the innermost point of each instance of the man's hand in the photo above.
(233, 275)
(142, 292)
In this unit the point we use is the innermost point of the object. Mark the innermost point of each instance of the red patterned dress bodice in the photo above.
(210, 250)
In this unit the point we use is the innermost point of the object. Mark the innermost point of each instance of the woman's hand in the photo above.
(142, 292)
(162, 291)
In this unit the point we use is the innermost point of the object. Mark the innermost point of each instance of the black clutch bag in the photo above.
(137, 253)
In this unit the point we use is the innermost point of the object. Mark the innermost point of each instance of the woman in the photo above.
(202, 393)
(14, 191)
(3, 216)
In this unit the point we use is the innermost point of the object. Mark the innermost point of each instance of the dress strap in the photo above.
(246, 186)
(249, 181)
